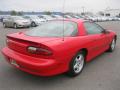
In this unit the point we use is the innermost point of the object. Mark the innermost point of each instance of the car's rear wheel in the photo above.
(77, 64)
(15, 26)
(112, 45)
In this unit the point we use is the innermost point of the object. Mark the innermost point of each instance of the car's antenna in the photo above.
(63, 17)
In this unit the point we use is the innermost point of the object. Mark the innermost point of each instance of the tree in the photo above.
(20, 13)
(47, 12)
(13, 13)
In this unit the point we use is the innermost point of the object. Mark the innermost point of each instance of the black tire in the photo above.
(72, 72)
(15, 26)
(112, 45)
(28, 26)
(33, 24)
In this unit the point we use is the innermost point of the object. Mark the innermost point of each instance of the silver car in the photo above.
(16, 22)
(35, 20)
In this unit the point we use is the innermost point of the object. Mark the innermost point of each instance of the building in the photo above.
(112, 12)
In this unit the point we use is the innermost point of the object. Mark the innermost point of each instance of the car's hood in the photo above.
(24, 20)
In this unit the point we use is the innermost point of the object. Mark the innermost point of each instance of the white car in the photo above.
(57, 16)
(103, 18)
(79, 17)
(46, 17)
(68, 16)
(115, 18)
(92, 18)
(74, 16)
(35, 20)
(118, 19)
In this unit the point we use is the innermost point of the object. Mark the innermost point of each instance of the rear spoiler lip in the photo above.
(14, 38)
(36, 44)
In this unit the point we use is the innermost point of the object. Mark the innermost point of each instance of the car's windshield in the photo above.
(54, 29)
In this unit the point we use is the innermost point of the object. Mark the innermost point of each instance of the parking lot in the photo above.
(103, 73)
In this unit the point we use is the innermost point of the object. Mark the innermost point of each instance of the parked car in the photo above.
(79, 16)
(68, 16)
(46, 17)
(35, 20)
(50, 50)
(57, 16)
(118, 18)
(1, 19)
(76, 16)
(111, 18)
(102, 18)
(115, 19)
(92, 18)
(15, 21)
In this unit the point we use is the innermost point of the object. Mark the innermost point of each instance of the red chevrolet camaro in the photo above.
(58, 46)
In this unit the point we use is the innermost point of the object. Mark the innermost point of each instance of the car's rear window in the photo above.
(54, 29)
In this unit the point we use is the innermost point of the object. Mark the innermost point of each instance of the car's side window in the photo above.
(92, 28)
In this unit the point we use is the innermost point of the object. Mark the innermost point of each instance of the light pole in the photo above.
(63, 17)
(83, 10)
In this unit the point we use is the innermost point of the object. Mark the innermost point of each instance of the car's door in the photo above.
(11, 21)
(98, 40)
(6, 20)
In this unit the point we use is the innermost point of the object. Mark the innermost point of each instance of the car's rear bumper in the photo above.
(36, 66)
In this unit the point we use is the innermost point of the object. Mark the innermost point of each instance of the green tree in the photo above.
(13, 13)
(47, 12)
(20, 13)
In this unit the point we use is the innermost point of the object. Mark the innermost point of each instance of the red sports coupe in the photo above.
(58, 46)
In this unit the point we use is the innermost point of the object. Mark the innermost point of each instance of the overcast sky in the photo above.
(57, 5)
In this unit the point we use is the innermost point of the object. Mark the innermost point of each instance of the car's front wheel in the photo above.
(77, 64)
(112, 45)
(33, 24)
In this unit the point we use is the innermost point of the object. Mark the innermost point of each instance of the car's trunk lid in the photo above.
(20, 42)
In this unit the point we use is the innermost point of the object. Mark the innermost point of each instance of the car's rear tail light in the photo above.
(36, 50)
